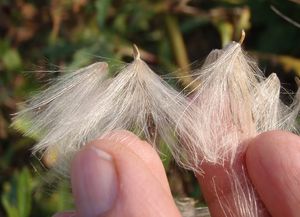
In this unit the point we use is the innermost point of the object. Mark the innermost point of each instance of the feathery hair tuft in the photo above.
(234, 103)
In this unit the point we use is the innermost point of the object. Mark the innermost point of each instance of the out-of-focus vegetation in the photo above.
(38, 36)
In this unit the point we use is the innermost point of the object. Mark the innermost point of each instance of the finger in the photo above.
(216, 188)
(222, 186)
(273, 163)
(145, 151)
(110, 179)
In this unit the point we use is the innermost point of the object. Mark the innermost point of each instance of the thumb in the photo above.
(120, 175)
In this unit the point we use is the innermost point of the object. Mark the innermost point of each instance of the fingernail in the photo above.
(94, 182)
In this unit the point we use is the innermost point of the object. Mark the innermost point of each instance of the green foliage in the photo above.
(11, 58)
(39, 36)
(102, 8)
(17, 195)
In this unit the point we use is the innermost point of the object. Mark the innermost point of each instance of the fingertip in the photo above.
(94, 178)
(120, 141)
(268, 141)
(111, 177)
(270, 149)
(273, 165)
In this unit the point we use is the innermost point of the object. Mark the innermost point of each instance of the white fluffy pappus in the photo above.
(85, 105)
(53, 112)
(235, 103)
(140, 101)
(224, 100)
(187, 208)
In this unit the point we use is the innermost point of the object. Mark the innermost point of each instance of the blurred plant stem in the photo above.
(179, 49)
(226, 32)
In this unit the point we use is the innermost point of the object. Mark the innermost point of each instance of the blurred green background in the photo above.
(38, 36)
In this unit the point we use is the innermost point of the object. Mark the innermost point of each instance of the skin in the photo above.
(140, 186)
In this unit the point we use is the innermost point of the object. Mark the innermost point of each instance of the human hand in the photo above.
(121, 175)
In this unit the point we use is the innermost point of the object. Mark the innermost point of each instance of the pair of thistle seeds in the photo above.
(230, 102)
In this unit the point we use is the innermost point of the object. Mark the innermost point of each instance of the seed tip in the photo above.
(243, 35)
(297, 80)
(136, 52)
